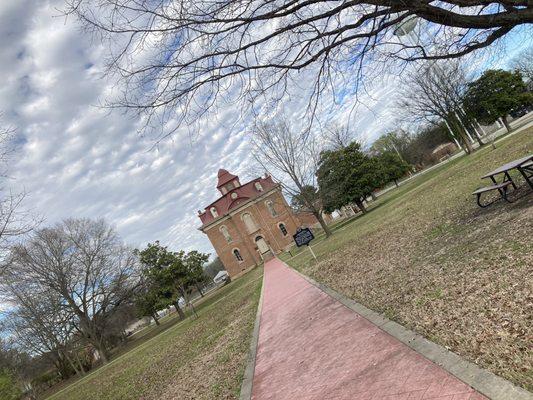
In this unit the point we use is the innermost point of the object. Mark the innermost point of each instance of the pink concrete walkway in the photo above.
(313, 347)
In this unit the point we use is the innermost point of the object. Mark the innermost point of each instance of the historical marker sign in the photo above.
(303, 237)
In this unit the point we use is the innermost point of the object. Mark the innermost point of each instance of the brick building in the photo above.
(249, 222)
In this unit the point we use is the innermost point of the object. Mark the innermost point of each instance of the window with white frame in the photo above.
(258, 186)
(249, 223)
(271, 209)
(224, 230)
(237, 255)
(214, 212)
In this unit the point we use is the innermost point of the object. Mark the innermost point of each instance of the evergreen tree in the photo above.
(194, 262)
(347, 176)
(169, 275)
(166, 271)
(392, 167)
(495, 94)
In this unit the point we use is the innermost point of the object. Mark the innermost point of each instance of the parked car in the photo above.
(222, 277)
(520, 112)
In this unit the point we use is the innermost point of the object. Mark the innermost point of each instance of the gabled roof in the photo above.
(224, 177)
(236, 198)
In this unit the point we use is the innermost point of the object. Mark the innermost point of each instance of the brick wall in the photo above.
(268, 227)
(308, 220)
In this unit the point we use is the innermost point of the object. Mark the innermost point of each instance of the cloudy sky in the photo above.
(77, 159)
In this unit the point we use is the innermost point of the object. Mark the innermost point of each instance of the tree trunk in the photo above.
(361, 206)
(95, 339)
(478, 139)
(80, 364)
(60, 367)
(154, 316)
(461, 145)
(102, 351)
(477, 136)
(318, 216)
(181, 314)
(506, 123)
(183, 292)
(199, 289)
(456, 126)
(468, 124)
(71, 362)
(316, 212)
(468, 145)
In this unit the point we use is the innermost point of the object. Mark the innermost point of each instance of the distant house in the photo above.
(249, 223)
(308, 220)
(443, 151)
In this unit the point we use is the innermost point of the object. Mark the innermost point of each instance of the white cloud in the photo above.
(77, 159)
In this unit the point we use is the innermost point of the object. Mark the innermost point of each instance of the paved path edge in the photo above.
(248, 378)
(485, 382)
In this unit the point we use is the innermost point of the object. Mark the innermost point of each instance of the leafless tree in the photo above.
(178, 59)
(436, 93)
(339, 136)
(14, 221)
(85, 264)
(42, 325)
(523, 62)
(292, 158)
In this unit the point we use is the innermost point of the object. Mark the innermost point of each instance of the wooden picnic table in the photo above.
(524, 165)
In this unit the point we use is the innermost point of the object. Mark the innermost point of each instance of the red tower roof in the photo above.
(224, 177)
(236, 196)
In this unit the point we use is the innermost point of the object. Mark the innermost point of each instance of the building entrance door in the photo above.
(262, 245)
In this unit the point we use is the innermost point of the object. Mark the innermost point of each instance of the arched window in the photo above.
(237, 255)
(249, 222)
(214, 212)
(283, 229)
(271, 209)
(224, 230)
(258, 186)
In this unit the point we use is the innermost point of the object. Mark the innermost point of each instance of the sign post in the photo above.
(303, 237)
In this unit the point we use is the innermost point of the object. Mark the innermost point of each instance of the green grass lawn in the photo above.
(196, 359)
(425, 255)
(428, 257)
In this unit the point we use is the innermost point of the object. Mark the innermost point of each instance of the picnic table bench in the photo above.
(524, 165)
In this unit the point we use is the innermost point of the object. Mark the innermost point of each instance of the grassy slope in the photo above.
(197, 359)
(429, 258)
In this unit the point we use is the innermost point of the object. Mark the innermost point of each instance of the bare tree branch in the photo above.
(14, 220)
(436, 93)
(177, 61)
(85, 265)
(292, 157)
